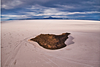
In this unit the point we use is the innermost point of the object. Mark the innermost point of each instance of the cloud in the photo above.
(65, 6)
(12, 4)
(50, 10)
(3, 19)
(14, 16)
(54, 12)
(71, 13)
(36, 6)
(45, 8)
(60, 16)
(30, 13)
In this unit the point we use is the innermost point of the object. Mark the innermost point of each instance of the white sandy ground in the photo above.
(82, 50)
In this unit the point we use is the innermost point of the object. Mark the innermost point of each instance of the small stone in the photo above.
(51, 41)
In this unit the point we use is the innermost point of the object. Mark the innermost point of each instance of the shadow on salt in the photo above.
(69, 41)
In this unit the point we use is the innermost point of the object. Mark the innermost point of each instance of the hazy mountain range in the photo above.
(55, 18)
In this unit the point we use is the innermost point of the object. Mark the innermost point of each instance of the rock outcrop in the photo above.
(51, 41)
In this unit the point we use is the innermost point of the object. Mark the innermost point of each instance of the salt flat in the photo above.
(82, 50)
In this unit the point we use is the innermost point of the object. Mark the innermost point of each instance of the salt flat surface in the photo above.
(82, 50)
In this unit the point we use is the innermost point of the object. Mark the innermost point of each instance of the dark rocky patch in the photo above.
(51, 41)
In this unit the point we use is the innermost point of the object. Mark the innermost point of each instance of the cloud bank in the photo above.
(17, 9)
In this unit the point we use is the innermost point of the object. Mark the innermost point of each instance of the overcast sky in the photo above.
(73, 9)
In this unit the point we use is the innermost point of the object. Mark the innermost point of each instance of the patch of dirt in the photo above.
(51, 41)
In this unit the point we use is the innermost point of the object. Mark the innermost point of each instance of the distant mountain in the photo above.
(43, 18)
(52, 18)
(56, 18)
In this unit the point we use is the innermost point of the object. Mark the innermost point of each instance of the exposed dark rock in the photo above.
(51, 41)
